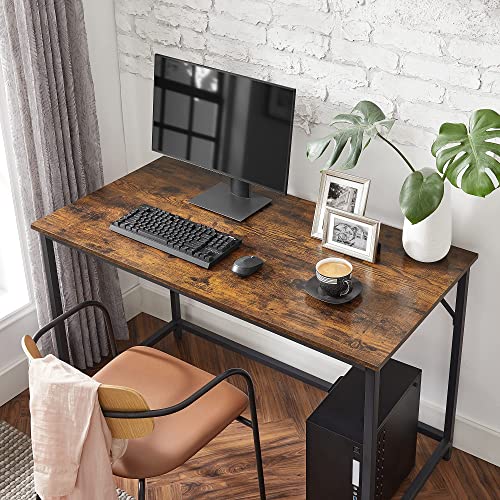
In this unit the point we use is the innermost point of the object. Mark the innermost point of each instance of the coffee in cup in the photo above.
(334, 269)
(335, 276)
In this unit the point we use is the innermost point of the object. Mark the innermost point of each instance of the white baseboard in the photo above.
(13, 362)
(132, 301)
(13, 379)
(470, 436)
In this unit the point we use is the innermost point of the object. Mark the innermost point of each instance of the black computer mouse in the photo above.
(245, 266)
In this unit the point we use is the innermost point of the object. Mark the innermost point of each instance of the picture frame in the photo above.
(340, 191)
(350, 234)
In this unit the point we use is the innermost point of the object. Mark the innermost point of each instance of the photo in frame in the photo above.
(340, 191)
(351, 234)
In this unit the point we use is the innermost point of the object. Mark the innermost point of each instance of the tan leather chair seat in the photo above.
(164, 380)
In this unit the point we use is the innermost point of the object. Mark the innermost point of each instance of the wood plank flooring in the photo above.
(225, 469)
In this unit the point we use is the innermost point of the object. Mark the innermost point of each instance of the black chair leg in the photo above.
(256, 439)
(142, 490)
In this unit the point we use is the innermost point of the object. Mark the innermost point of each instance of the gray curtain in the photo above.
(50, 94)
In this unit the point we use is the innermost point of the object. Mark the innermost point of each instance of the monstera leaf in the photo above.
(353, 130)
(421, 194)
(470, 153)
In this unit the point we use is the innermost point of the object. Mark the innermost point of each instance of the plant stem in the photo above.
(397, 151)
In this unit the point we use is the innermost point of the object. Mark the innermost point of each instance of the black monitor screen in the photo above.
(236, 125)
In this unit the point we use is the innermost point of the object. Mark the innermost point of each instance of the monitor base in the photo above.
(222, 200)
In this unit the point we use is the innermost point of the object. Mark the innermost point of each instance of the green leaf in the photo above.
(470, 153)
(316, 148)
(352, 130)
(421, 194)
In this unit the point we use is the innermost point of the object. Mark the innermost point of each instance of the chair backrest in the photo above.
(111, 398)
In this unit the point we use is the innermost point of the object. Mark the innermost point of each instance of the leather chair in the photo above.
(191, 406)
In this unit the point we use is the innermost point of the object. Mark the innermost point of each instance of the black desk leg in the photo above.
(444, 447)
(175, 305)
(54, 295)
(456, 356)
(370, 426)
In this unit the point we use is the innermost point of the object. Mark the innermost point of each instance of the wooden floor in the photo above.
(225, 469)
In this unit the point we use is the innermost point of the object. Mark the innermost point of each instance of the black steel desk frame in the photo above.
(372, 378)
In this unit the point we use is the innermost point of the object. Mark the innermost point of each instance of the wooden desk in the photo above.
(398, 293)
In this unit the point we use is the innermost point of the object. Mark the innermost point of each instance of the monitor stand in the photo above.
(234, 202)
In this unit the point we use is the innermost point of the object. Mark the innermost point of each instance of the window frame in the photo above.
(26, 306)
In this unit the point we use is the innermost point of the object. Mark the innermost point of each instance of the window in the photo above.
(14, 292)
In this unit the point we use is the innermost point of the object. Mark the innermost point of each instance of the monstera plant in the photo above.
(467, 157)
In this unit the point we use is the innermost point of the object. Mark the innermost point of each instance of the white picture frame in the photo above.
(351, 194)
(351, 234)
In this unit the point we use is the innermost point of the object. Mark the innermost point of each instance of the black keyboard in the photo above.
(176, 236)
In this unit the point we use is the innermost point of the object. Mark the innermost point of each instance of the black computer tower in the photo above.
(335, 435)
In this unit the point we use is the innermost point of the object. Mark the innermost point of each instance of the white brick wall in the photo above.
(237, 30)
(437, 69)
(193, 4)
(421, 60)
(131, 46)
(298, 40)
(408, 40)
(475, 53)
(364, 55)
(175, 16)
(295, 16)
(406, 89)
(150, 30)
(250, 12)
(356, 30)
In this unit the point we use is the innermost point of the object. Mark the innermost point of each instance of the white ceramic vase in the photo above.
(430, 240)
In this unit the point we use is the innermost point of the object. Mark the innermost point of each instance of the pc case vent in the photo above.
(379, 484)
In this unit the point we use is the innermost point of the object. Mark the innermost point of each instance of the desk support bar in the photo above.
(255, 355)
(426, 470)
(447, 306)
(160, 334)
(455, 360)
(54, 296)
(429, 431)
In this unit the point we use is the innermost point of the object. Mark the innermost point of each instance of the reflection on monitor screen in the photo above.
(217, 120)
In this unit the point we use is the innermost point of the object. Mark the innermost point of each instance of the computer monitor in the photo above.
(234, 125)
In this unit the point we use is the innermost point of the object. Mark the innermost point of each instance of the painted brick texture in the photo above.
(425, 61)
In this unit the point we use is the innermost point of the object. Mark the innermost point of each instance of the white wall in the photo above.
(101, 36)
(425, 61)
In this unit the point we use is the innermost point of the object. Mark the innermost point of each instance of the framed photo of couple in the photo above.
(339, 217)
